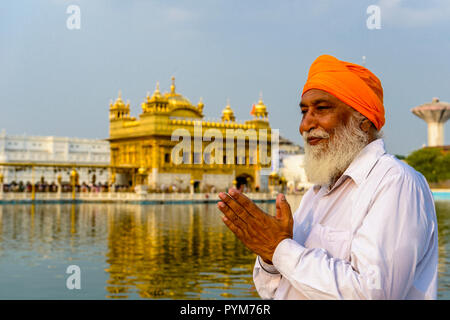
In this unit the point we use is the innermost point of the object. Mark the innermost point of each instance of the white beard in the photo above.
(327, 160)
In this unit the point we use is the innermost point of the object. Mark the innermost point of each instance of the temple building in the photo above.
(144, 151)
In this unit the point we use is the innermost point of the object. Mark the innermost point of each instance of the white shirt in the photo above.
(373, 235)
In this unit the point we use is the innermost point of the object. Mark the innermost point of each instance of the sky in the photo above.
(59, 81)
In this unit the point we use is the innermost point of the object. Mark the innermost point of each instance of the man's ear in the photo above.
(365, 125)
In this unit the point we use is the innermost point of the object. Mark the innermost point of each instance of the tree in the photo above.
(433, 163)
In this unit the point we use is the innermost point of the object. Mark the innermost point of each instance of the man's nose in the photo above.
(308, 122)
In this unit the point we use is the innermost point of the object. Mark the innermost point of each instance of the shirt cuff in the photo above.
(269, 268)
(286, 255)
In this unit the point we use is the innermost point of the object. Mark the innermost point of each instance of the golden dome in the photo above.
(260, 110)
(260, 107)
(227, 110)
(176, 99)
(156, 95)
(227, 113)
(119, 110)
(119, 104)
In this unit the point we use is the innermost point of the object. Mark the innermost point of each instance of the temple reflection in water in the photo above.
(166, 250)
(156, 251)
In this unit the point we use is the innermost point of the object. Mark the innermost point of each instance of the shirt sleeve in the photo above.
(266, 278)
(392, 239)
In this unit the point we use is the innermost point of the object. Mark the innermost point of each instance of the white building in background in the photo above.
(54, 153)
(293, 171)
(287, 148)
(292, 166)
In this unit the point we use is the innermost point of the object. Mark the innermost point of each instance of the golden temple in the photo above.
(142, 149)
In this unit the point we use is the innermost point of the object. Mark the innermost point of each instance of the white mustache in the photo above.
(317, 133)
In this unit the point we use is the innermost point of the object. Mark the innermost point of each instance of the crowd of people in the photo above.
(43, 186)
(65, 187)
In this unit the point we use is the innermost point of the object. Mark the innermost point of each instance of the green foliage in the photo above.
(400, 157)
(432, 163)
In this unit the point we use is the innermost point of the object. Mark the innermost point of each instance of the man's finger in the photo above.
(245, 202)
(231, 215)
(278, 214)
(285, 208)
(238, 232)
(235, 206)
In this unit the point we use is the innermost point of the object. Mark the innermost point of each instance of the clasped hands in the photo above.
(258, 231)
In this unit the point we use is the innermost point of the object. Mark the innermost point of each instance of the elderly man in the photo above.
(367, 229)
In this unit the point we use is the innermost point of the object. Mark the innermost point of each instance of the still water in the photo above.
(136, 251)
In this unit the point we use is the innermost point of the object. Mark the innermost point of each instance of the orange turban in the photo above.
(353, 84)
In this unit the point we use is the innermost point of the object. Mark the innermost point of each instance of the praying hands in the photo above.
(257, 230)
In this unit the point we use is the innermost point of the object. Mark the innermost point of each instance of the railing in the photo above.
(123, 197)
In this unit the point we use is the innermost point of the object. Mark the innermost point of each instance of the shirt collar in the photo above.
(360, 167)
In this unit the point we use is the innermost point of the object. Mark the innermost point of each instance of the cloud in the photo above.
(411, 14)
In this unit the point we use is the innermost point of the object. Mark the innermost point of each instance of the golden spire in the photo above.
(156, 94)
(172, 87)
(227, 113)
(201, 104)
(119, 97)
(119, 102)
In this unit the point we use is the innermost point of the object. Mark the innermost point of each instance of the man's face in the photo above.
(322, 110)
(332, 134)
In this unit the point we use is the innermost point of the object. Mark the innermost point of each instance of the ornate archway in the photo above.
(244, 182)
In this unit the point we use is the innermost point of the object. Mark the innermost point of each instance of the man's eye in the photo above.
(304, 111)
(323, 107)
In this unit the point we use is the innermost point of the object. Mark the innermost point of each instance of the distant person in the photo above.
(367, 229)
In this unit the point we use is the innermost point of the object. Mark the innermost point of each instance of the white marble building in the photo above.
(292, 165)
(57, 154)
(293, 169)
